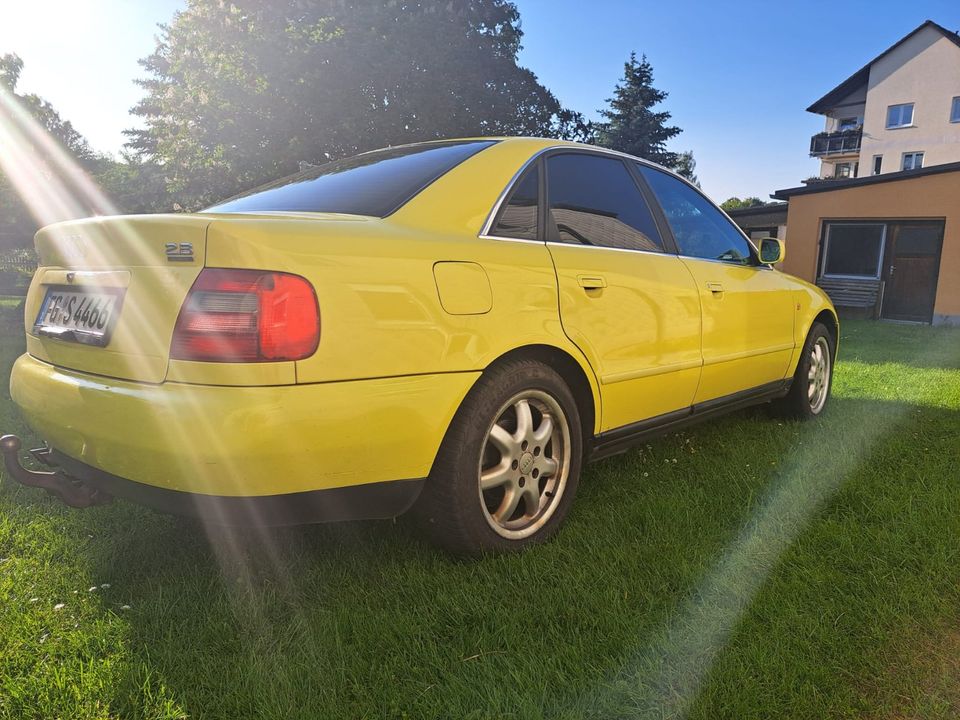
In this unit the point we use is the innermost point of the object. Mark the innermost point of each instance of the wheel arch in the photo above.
(829, 320)
(575, 373)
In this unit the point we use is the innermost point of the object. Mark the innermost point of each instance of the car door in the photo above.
(625, 300)
(748, 310)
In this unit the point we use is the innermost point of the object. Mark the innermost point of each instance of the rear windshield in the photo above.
(375, 183)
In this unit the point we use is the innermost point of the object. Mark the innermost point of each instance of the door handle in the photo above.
(716, 288)
(591, 282)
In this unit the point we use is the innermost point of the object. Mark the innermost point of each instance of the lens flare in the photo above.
(56, 189)
(665, 676)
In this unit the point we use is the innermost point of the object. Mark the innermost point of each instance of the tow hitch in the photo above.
(73, 492)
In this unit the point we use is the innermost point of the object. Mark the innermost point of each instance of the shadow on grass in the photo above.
(636, 609)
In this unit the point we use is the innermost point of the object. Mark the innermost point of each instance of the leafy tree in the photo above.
(242, 92)
(17, 224)
(135, 185)
(43, 112)
(132, 185)
(736, 203)
(633, 126)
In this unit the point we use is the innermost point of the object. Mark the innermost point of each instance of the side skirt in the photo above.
(621, 439)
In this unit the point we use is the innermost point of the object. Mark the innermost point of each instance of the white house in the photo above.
(901, 111)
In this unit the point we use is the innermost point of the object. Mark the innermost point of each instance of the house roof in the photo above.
(758, 210)
(861, 76)
(830, 185)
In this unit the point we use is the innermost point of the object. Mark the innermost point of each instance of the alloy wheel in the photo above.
(524, 464)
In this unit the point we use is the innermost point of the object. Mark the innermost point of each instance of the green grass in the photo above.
(747, 568)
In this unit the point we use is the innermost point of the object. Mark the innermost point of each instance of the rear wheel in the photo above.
(509, 465)
(813, 379)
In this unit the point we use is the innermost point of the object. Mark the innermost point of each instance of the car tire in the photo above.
(810, 389)
(509, 465)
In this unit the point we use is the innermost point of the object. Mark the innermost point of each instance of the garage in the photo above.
(885, 246)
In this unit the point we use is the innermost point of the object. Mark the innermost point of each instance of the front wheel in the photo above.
(509, 465)
(813, 379)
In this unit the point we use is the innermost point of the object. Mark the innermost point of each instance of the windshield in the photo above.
(375, 183)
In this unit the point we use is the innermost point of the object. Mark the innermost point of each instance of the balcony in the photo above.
(844, 142)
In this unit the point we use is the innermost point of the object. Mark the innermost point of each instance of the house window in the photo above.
(853, 250)
(900, 115)
(841, 170)
(955, 110)
(851, 123)
(877, 164)
(912, 161)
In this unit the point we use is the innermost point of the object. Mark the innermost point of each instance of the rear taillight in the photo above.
(247, 316)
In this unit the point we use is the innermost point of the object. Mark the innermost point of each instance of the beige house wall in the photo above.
(925, 70)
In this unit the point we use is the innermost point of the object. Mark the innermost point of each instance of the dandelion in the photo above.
(105, 586)
(646, 474)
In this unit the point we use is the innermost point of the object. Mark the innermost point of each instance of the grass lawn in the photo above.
(746, 568)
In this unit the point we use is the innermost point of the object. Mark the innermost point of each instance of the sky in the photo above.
(738, 74)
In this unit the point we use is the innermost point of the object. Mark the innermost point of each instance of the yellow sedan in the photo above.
(451, 328)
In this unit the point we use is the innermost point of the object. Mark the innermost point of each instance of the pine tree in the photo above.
(631, 124)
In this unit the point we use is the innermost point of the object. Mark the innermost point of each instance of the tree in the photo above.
(242, 92)
(43, 112)
(35, 188)
(686, 166)
(30, 160)
(632, 125)
(736, 203)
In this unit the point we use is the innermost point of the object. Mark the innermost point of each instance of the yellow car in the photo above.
(452, 327)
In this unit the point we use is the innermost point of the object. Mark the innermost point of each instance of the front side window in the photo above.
(912, 161)
(955, 110)
(375, 183)
(900, 115)
(841, 170)
(518, 216)
(877, 164)
(853, 250)
(700, 229)
(594, 200)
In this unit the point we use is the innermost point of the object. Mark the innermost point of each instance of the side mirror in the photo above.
(772, 251)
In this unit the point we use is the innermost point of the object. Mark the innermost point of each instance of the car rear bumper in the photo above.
(370, 501)
(238, 442)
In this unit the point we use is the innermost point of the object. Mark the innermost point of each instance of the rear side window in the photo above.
(700, 229)
(375, 183)
(595, 201)
(518, 216)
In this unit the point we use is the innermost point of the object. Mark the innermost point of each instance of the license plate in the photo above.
(83, 315)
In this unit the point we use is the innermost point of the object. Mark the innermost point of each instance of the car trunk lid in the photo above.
(130, 275)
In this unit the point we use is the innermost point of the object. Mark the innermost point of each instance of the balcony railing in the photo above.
(844, 142)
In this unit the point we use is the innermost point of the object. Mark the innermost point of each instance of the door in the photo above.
(748, 310)
(629, 305)
(912, 264)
